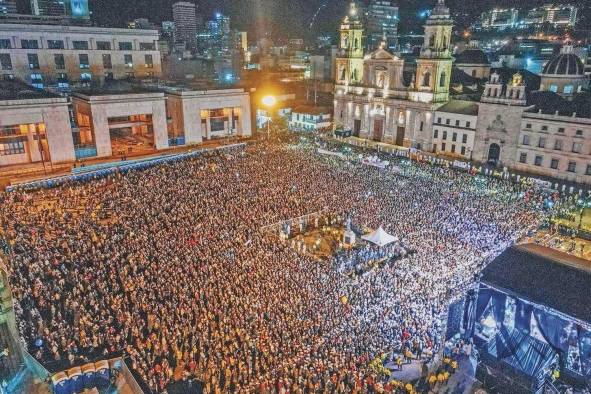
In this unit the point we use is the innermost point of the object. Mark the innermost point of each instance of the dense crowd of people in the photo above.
(168, 265)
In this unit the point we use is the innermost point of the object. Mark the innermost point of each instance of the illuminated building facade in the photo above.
(383, 106)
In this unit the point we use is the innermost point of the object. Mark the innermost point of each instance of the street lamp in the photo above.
(269, 102)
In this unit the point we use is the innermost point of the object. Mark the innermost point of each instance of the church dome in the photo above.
(472, 56)
(564, 64)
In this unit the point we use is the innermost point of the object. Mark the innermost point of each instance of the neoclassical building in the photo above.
(373, 99)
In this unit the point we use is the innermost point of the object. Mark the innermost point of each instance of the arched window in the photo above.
(432, 40)
(442, 80)
(568, 89)
(343, 74)
(356, 43)
(354, 75)
(427, 79)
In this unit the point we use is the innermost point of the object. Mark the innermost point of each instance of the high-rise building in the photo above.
(499, 18)
(185, 20)
(382, 24)
(48, 7)
(70, 8)
(7, 6)
(558, 15)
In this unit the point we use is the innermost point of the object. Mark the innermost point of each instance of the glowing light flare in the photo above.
(269, 101)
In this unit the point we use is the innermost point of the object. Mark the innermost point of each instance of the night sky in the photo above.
(282, 17)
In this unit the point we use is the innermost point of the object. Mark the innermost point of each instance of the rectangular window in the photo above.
(572, 166)
(60, 63)
(577, 147)
(149, 61)
(444, 134)
(128, 60)
(525, 140)
(80, 45)
(5, 44)
(443, 147)
(147, 46)
(457, 123)
(538, 160)
(55, 44)
(107, 61)
(447, 121)
(435, 133)
(588, 170)
(453, 149)
(439, 120)
(464, 138)
(528, 126)
(523, 157)
(463, 150)
(579, 133)
(542, 142)
(561, 129)
(454, 137)
(103, 45)
(558, 145)
(125, 46)
(5, 61)
(29, 44)
(12, 148)
(554, 164)
(544, 128)
(421, 126)
(33, 61)
(467, 124)
(83, 58)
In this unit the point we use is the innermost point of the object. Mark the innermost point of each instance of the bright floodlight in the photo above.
(269, 101)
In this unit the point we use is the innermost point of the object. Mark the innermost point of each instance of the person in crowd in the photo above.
(168, 265)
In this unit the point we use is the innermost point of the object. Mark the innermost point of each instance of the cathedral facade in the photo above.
(371, 96)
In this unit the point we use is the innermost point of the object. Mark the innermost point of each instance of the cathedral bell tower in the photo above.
(349, 62)
(435, 61)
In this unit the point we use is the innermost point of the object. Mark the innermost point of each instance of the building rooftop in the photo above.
(544, 276)
(460, 107)
(113, 88)
(550, 103)
(564, 65)
(311, 110)
(15, 90)
(472, 56)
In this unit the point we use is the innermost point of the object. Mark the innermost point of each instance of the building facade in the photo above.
(64, 55)
(185, 20)
(381, 106)
(555, 146)
(454, 129)
(309, 118)
(199, 115)
(34, 126)
(499, 116)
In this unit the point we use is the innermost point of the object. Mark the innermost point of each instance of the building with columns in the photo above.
(34, 126)
(109, 119)
(198, 115)
(379, 103)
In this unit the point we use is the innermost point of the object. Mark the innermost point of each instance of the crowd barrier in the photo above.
(77, 379)
(120, 167)
(461, 165)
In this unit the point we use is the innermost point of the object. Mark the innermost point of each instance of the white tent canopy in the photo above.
(379, 237)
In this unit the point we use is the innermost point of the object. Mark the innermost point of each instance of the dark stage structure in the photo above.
(530, 320)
